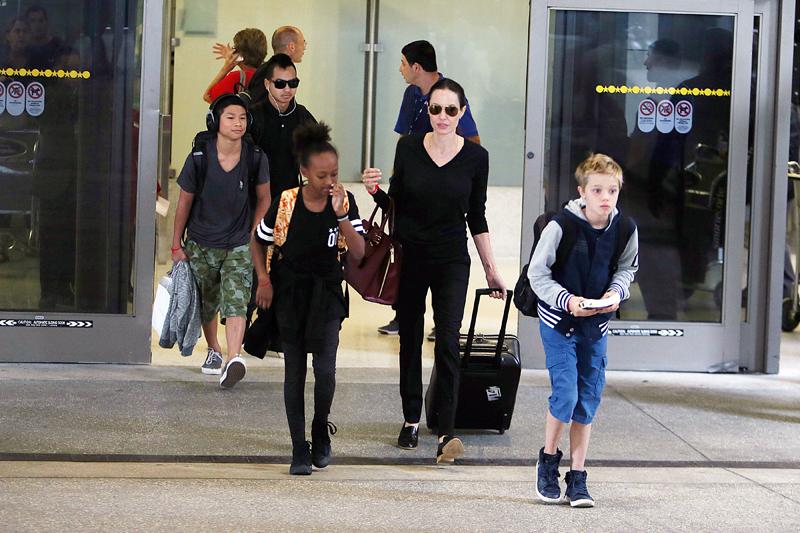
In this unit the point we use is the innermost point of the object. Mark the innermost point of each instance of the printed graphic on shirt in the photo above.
(333, 236)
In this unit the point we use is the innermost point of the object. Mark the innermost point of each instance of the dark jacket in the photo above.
(272, 132)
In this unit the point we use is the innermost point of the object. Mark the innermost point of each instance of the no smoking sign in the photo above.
(646, 120)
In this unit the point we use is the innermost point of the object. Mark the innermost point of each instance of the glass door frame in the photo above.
(112, 338)
(704, 347)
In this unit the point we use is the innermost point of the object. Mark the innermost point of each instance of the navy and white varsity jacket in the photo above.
(581, 275)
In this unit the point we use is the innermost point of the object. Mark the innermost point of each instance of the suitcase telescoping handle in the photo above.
(500, 337)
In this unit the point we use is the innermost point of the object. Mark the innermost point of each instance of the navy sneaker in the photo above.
(301, 460)
(547, 475)
(577, 494)
(234, 372)
(213, 364)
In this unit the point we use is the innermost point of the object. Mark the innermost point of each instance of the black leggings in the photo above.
(324, 363)
(448, 283)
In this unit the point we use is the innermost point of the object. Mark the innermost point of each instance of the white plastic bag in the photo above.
(161, 304)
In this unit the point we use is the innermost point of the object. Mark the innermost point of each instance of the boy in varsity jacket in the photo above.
(573, 324)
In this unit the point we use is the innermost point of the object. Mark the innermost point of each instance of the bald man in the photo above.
(289, 40)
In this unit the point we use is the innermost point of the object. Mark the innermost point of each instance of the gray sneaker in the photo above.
(392, 328)
(213, 364)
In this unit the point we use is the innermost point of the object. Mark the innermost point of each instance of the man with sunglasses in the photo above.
(275, 120)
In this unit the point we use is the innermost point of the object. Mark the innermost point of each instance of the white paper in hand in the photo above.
(601, 303)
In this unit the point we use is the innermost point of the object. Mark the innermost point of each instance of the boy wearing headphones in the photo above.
(220, 210)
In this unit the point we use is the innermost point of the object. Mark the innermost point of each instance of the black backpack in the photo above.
(524, 298)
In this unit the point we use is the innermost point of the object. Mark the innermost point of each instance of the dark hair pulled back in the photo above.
(446, 84)
(312, 139)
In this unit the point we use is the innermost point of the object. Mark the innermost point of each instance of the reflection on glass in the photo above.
(66, 157)
(653, 92)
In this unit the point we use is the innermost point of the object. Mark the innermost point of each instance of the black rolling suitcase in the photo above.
(490, 370)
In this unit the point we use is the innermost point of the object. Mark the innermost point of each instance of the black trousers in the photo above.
(448, 281)
(294, 383)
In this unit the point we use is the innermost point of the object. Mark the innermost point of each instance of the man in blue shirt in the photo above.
(418, 68)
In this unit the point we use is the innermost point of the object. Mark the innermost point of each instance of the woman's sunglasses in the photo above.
(451, 110)
(281, 84)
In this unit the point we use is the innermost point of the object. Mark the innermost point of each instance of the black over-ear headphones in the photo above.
(216, 107)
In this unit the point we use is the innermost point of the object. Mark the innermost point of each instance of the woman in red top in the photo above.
(248, 52)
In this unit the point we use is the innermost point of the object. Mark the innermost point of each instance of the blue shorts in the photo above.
(577, 368)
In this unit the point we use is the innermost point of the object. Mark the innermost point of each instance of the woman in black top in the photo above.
(304, 284)
(439, 188)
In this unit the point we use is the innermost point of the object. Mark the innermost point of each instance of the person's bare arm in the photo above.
(263, 200)
(484, 246)
(230, 60)
(355, 241)
(185, 201)
(258, 251)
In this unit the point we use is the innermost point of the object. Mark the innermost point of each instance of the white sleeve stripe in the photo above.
(544, 313)
(264, 228)
(563, 300)
(262, 235)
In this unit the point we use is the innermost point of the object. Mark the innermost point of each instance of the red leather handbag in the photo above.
(377, 276)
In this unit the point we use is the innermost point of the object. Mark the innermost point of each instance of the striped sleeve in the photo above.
(265, 231)
(352, 214)
(265, 234)
(627, 267)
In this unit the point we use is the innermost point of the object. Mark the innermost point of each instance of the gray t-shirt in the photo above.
(222, 216)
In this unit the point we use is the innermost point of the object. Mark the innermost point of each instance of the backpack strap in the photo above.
(200, 163)
(252, 155)
(200, 158)
(239, 87)
(569, 237)
(282, 219)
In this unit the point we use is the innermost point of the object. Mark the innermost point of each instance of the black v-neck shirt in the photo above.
(434, 205)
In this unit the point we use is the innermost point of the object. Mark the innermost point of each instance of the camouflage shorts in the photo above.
(225, 278)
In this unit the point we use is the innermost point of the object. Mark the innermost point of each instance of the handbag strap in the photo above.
(387, 217)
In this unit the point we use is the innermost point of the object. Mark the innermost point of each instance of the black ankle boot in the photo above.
(301, 460)
(321, 443)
